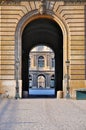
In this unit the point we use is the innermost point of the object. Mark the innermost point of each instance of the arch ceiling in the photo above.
(48, 30)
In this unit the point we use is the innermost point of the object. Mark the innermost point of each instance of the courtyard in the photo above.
(42, 114)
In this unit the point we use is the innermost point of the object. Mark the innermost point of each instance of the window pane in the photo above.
(53, 62)
(41, 61)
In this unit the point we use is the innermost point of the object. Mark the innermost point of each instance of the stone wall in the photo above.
(72, 15)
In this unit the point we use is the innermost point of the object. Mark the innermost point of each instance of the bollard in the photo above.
(59, 94)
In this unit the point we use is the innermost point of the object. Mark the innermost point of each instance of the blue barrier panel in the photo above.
(42, 91)
(81, 94)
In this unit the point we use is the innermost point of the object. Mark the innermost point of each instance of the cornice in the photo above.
(9, 2)
(15, 2)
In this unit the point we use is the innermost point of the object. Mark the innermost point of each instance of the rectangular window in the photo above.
(53, 62)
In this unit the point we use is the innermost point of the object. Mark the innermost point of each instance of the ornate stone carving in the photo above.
(42, 7)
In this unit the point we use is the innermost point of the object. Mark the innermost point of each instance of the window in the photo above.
(53, 62)
(52, 81)
(40, 61)
(30, 81)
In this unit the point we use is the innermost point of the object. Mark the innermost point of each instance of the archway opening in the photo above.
(41, 81)
(45, 32)
(41, 69)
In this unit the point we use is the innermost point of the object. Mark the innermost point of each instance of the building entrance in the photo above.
(44, 32)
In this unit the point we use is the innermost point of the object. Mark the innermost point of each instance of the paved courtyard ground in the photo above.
(42, 114)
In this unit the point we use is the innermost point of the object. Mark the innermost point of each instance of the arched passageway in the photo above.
(41, 81)
(47, 32)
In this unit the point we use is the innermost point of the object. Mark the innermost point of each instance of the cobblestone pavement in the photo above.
(42, 114)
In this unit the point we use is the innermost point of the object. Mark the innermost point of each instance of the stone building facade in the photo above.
(42, 68)
(60, 24)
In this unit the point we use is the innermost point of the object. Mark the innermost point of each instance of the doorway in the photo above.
(41, 81)
(46, 32)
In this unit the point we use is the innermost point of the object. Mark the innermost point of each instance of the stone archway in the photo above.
(45, 32)
(41, 81)
(26, 20)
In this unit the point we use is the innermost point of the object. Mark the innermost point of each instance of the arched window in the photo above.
(41, 81)
(52, 81)
(40, 61)
(30, 81)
